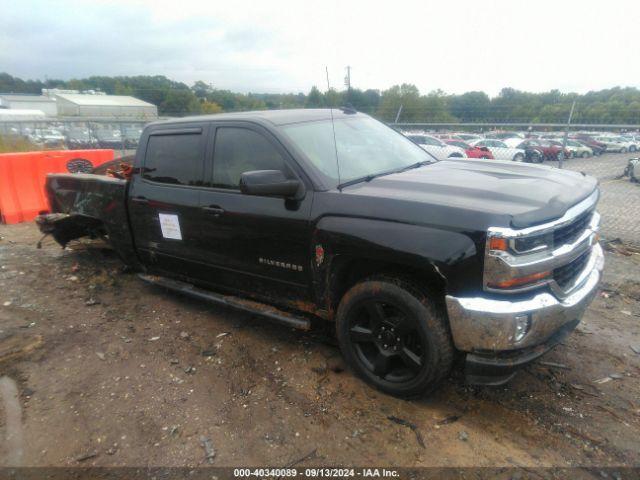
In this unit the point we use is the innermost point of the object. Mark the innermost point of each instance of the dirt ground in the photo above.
(101, 369)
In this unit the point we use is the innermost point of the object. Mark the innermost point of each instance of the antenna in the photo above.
(333, 127)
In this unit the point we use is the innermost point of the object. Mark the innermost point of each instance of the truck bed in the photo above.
(85, 204)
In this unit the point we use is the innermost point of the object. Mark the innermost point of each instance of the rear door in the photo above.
(164, 199)
(257, 244)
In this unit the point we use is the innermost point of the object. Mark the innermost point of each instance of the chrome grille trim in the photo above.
(501, 266)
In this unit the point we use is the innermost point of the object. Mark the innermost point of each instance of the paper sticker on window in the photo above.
(170, 226)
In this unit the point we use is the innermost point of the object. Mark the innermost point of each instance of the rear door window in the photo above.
(176, 158)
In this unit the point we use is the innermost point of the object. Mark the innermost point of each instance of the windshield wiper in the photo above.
(368, 178)
(415, 165)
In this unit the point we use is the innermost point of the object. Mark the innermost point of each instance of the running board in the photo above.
(238, 303)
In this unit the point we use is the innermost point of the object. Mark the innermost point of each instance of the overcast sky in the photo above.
(283, 46)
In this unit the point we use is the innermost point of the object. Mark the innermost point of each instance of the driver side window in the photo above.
(239, 150)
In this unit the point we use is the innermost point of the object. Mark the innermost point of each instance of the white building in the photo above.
(21, 114)
(17, 101)
(119, 107)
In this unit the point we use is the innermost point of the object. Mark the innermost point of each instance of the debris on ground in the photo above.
(603, 380)
(635, 348)
(91, 302)
(86, 456)
(184, 335)
(308, 456)
(412, 426)
(223, 334)
(617, 246)
(100, 355)
(154, 339)
(561, 366)
(448, 420)
(209, 452)
(611, 376)
(463, 436)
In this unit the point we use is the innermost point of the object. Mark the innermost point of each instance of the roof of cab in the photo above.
(274, 117)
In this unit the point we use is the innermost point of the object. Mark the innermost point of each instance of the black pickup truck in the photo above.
(301, 215)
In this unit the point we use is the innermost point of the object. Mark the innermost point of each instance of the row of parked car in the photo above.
(80, 136)
(523, 147)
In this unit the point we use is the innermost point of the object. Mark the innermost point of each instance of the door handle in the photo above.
(140, 200)
(214, 209)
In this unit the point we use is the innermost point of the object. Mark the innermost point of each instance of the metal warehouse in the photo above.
(43, 103)
(111, 106)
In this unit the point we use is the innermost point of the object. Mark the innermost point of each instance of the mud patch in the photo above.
(13, 347)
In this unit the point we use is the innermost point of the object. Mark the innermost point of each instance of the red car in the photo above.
(551, 149)
(471, 151)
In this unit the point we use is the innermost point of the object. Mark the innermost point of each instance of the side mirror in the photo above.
(268, 183)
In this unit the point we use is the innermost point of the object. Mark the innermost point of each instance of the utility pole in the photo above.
(347, 79)
(566, 134)
(398, 114)
(347, 83)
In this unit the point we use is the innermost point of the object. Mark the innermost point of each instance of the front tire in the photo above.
(394, 337)
(585, 155)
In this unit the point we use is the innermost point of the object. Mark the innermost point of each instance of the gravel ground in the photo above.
(98, 368)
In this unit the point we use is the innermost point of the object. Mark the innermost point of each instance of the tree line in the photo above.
(609, 106)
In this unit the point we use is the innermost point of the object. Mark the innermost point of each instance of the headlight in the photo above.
(502, 252)
(532, 243)
(520, 245)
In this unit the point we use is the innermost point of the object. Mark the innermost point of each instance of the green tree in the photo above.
(314, 99)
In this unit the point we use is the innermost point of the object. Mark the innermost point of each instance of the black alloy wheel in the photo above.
(394, 337)
(387, 341)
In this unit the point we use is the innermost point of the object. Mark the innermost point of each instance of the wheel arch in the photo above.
(353, 249)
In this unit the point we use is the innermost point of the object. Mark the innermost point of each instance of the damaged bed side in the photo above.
(88, 205)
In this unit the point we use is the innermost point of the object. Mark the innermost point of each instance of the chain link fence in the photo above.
(119, 135)
(602, 154)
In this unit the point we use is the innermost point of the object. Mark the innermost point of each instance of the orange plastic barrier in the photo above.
(22, 178)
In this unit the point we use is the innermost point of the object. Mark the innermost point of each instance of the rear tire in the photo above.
(585, 155)
(394, 336)
(518, 157)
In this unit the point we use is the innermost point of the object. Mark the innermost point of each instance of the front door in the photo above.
(259, 245)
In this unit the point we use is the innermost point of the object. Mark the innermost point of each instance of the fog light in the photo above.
(523, 323)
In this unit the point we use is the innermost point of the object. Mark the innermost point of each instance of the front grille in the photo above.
(569, 233)
(566, 274)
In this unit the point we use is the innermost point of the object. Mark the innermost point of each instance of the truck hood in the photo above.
(518, 195)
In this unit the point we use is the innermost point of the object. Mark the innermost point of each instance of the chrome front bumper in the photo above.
(488, 324)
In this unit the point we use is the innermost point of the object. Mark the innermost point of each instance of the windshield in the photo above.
(364, 147)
